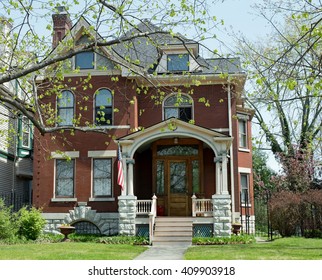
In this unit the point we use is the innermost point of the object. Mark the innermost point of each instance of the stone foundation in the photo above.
(107, 223)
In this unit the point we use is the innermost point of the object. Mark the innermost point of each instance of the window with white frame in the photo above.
(25, 133)
(84, 60)
(65, 170)
(65, 108)
(244, 187)
(102, 177)
(178, 62)
(103, 107)
(242, 130)
(178, 106)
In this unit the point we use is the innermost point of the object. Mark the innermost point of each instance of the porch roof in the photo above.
(172, 128)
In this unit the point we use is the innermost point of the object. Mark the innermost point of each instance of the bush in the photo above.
(8, 228)
(233, 239)
(285, 212)
(312, 233)
(30, 223)
(121, 239)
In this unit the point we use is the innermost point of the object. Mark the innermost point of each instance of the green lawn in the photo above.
(69, 251)
(279, 249)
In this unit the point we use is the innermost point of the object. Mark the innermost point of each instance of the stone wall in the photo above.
(107, 223)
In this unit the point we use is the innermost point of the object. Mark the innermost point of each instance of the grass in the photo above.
(114, 249)
(70, 251)
(280, 249)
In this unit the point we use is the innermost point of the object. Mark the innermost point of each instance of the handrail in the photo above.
(201, 206)
(152, 216)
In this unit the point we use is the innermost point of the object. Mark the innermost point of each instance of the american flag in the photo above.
(120, 175)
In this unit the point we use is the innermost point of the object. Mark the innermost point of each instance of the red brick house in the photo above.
(183, 132)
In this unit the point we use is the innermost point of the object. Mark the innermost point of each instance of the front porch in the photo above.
(185, 168)
(206, 219)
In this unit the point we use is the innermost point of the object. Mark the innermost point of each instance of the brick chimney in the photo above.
(62, 24)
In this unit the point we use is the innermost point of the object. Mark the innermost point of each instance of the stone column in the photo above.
(127, 214)
(222, 214)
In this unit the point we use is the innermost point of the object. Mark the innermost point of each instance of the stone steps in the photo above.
(173, 231)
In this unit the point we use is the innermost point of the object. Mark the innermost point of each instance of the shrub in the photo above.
(285, 212)
(8, 228)
(30, 223)
(233, 239)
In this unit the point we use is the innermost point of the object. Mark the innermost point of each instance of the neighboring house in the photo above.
(192, 151)
(16, 145)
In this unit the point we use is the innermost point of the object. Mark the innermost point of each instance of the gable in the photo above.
(172, 128)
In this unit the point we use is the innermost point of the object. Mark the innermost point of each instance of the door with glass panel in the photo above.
(177, 188)
(176, 177)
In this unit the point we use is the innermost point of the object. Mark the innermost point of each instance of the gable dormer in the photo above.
(178, 59)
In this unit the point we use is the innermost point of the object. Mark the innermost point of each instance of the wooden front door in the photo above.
(176, 174)
(177, 188)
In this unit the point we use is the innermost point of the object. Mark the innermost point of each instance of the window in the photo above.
(25, 133)
(178, 62)
(65, 108)
(178, 106)
(84, 60)
(242, 124)
(65, 178)
(244, 182)
(102, 177)
(103, 107)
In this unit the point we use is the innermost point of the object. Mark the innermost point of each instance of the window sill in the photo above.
(98, 199)
(64, 199)
(245, 150)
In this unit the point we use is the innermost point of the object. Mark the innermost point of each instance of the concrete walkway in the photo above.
(163, 253)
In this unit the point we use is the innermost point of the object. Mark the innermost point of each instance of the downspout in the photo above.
(231, 157)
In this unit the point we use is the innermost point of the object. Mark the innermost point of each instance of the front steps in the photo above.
(173, 231)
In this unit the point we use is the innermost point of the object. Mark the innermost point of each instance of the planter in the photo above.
(236, 228)
(66, 230)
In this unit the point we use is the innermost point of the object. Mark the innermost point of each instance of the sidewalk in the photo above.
(163, 253)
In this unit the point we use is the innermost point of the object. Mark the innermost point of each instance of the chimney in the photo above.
(62, 24)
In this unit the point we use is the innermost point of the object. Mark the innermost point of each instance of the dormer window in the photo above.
(178, 62)
(84, 60)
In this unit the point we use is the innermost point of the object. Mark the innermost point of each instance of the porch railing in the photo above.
(143, 207)
(201, 207)
(148, 207)
(152, 216)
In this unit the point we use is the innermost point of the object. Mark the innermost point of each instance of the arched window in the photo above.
(65, 108)
(178, 106)
(103, 107)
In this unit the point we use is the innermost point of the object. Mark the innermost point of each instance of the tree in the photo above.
(285, 83)
(262, 173)
(29, 56)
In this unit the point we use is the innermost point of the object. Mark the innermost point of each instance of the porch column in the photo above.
(130, 163)
(221, 174)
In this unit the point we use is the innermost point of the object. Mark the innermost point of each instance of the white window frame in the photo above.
(112, 108)
(191, 105)
(102, 154)
(64, 156)
(70, 122)
(25, 121)
(243, 135)
(245, 172)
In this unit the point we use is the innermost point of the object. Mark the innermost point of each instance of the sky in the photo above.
(240, 17)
